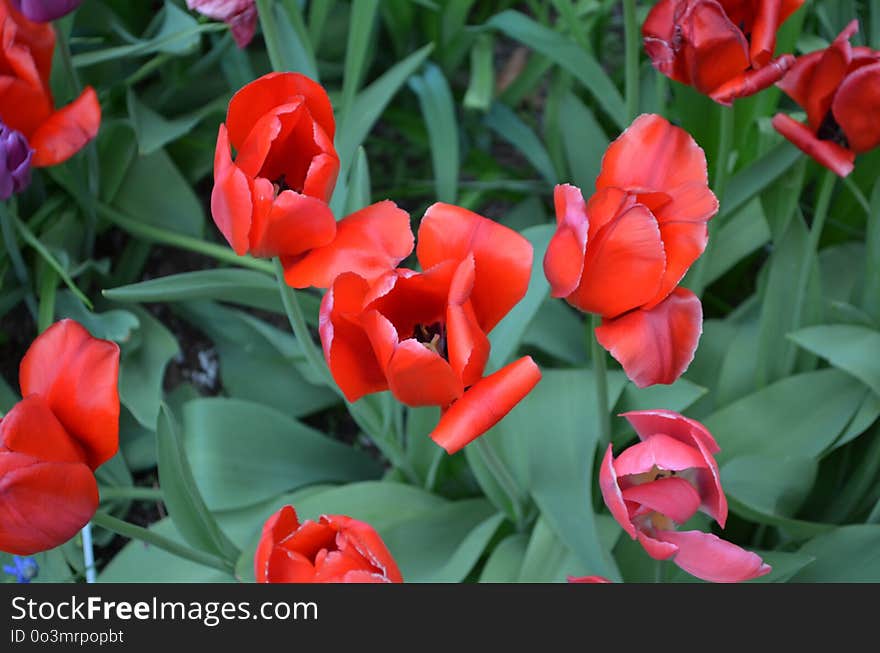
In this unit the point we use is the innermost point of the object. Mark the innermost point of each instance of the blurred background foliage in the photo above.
(486, 104)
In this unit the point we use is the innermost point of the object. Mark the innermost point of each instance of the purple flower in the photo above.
(24, 569)
(43, 11)
(15, 162)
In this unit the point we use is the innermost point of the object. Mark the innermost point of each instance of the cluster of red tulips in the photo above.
(420, 329)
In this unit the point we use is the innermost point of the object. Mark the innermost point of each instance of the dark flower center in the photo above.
(829, 130)
(280, 185)
(432, 336)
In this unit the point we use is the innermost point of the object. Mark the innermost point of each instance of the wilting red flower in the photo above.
(26, 103)
(423, 334)
(723, 48)
(51, 441)
(587, 579)
(240, 15)
(663, 481)
(622, 254)
(272, 200)
(335, 549)
(840, 89)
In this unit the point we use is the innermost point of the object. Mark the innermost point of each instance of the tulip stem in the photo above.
(89, 553)
(631, 30)
(131, 531)
(270, 34)
(726, 125)
(600, 379)
(7, 214)
(811, 251)
(136, 493)
(504, 478)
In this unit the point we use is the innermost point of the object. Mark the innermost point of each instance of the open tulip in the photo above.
(723, 48)
(423, 335)
(334, 549)
(840, 89)
(53, 440)
(26, 103)
(240, 15)
(662, 482)
(622, 254)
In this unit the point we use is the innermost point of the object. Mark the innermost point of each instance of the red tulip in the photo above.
(423, 335)
(272, 199)
(587, 579)
(335, 549)
(840, 89)
(622, 254)
(662, 482)
(723, 48)
(26, 103)
(52, 440)
(240, 15)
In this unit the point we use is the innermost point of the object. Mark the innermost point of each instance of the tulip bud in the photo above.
(15, 162)
(43, 11)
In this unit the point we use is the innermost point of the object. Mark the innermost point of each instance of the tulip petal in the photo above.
(294, 224)
(370, 242)
(77, 375)
(419, 376)
(467, 345)
(485, 404)
(286, 566)
(503, 257)
(630, 242)
(564, 259)
(231, 205)
(856, 107)
(660, 44)
(831, 155)
(31, 428)
(715, 50)
(612, 494)
(671, 496)
(366, 541)
(587, 579)
(42, 504)
(657, 549)
(657, 345)
(710, 558)
(66, 131)
(276, 528)
(753, 81)
(660, 451)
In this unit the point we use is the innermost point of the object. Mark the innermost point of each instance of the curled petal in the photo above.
(467, 345)
(715, 50)
(370, 243)
(564, 259)
(612, 494)
(419, 376)
(656, 345)
(753, 81)
(276, 528)
(485, 404)
(366, 541)
(294, 224)
(671, 496)
(831, 155)
(655, 548)
(856, 107)
(78, 376)
(231, 204)
(67, 130)
(660, 451)
(710, 558)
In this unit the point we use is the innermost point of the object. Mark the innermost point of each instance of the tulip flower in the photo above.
(723, 48)
(15, 162)
(587, 579)
(240, 15)
(335, 549)
(662, 482)
(622, 254)
(53, 440)
(423, 335)
(839, 88)
(44, 11)
(26, 103)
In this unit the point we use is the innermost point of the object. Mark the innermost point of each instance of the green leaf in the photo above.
(142, 368)
(117, 325)
(547, 559)
(776, 486)
(754, 178)
(154, 131)
(871, 293)
(481, 88)
(850, 554)
(286, 39)
(360, 31)
(508, 335)
(360, 189)
(742, 234)
(558, 330)
(503, 121)
(847, 348)
(438, 111)
(506, 560)
(584, 142)
(567, 54)
(181, 495)
(279, 456)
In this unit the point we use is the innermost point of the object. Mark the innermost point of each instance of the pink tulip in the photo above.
(660, 483)
(240, 15)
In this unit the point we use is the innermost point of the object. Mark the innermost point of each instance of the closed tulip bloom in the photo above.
(334, 549)
(660, 483)
(15, 162)
(43, 11)
(240, 15)
(423, 335)
(839, 88)
(723, 48)
(622, 254)
(26, 103)
(271, 200)
(53, 440)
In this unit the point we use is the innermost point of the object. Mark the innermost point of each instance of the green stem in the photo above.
(7, 215)
(165, 237)
(857, 193)
(504, 478)
(126, 529)
(811, 250)
(726, 126)
(631, 30)
(600, 377)
(270, 34)
(48, 291)
(109, 493)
